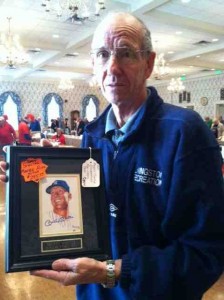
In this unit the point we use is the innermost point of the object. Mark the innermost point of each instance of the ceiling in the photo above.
(191, 35)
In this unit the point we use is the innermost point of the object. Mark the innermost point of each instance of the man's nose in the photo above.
(113, 65)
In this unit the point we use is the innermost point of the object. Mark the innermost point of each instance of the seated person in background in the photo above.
(217, 128)
(34, 124)
(24, 133)
(59, 137)
(53, 125)
(66, 127)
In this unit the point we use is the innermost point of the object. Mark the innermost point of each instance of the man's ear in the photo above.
(150, 64)
(69, 196)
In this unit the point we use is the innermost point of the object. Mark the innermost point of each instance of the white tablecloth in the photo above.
(70, 140)
(73, 140)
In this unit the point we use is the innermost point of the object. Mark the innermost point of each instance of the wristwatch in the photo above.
(111, 280)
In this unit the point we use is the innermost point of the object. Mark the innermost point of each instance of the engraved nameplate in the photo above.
(61, 245)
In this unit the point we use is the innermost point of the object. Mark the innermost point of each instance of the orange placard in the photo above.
(33, 169)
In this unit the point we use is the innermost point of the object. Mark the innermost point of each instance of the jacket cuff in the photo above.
(125, 277)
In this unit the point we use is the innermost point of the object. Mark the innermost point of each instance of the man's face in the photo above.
(29, 120)
(59, 198)
(59, 132)
(122, 82)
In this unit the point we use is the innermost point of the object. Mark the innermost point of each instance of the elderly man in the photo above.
(164, 185)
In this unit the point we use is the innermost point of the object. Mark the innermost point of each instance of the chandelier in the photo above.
(160, 69)
(65, 84)
(11, 51)
(176, 85)
(74, 11)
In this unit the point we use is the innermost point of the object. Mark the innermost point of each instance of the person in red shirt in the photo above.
(7, 133)
(59, 137)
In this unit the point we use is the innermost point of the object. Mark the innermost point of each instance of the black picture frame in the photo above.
(24, 247)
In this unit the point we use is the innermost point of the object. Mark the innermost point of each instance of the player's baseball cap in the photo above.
(60, 183)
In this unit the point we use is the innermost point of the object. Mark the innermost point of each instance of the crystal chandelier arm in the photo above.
(12, 52)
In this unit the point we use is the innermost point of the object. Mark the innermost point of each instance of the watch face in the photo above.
(204, 101)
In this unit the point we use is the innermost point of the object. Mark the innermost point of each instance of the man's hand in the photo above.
(3, 167)
(78, 271)
(75, 271)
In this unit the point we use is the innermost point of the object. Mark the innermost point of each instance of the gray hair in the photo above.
(146, 35)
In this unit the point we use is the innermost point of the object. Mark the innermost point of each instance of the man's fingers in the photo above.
(5, 148)
(4, 166)
(3, 178)
(64, 277)
(49, 274)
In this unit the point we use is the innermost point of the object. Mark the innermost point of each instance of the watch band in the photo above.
(111, 281)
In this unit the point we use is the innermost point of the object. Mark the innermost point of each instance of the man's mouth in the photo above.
(115, 84)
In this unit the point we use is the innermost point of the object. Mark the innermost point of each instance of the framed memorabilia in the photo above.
(53, 210)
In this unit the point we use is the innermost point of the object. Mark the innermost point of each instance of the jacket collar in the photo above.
(97, 127)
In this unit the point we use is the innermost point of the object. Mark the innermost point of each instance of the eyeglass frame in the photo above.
(114, 53)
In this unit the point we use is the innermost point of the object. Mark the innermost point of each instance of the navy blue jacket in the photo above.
(165, 195)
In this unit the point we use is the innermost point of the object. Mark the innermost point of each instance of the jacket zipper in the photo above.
(115, 154)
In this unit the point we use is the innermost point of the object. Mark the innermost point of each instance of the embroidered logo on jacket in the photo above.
(148, 176)
(113, 208)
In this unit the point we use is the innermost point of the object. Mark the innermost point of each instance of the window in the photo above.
(10, 105)
(90, 107)
(90, 110)
(52, 108)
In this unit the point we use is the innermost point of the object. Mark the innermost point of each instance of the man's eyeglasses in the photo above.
(124, 55)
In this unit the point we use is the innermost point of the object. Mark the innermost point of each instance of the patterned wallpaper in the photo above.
(33, 93)
(208, 86)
